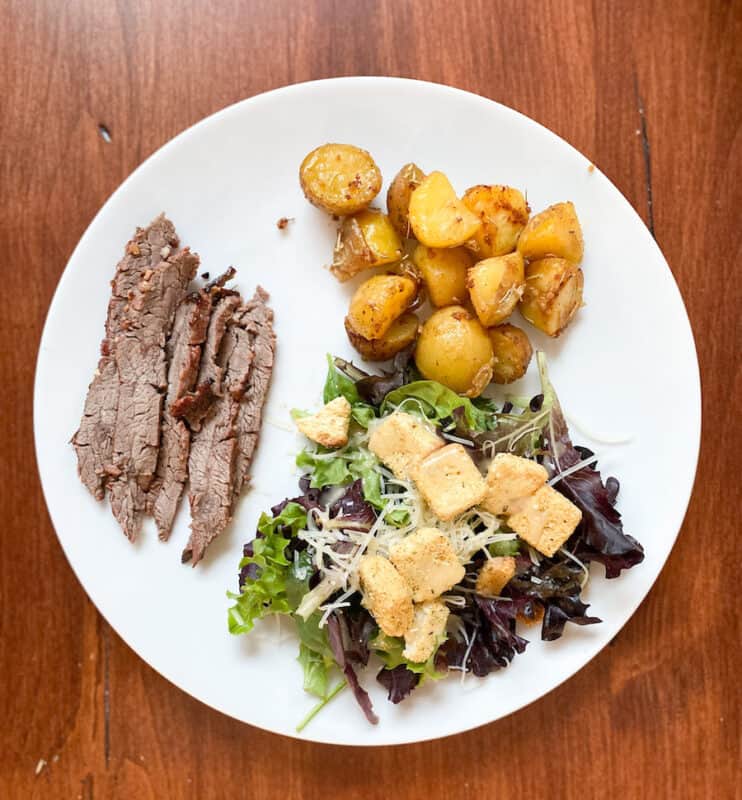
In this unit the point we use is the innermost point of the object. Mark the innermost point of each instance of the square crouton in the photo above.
(494, 575)
(427, 562)
(545, 520)
(386, 595)
(510, 478)
(400, 441)
(423, 636)
(329, 426)
(450, 482)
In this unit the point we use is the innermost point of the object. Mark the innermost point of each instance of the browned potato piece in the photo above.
(398, 197)
(495, 287)
(339, 178)
(437, 217)
(504, 213)
(512, 352)
(443, 271)
(403, 332)
(377, 302)
(554, 232)
(455, 350)
(552, 295)
(365, 240)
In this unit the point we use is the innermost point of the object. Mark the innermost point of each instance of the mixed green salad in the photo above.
(305, 560)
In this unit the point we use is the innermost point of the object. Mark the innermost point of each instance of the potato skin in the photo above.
(437, 217)
(402, 332)
(512, 351)
(504, 213)
(365, 240)
(444, 272)
(378, 301)
(339, 178)
(552, 295)
(555, 232)
(455, 350)
(398, 197)
(495, 287)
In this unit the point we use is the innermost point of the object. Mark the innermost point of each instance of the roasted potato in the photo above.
(495, 287)
(402, 332)
(512, 351)
(377, 302)
(455, 350)
(398, 197)
(552, 295)
(443, 271)
(437, 217)
(554, 232)
(504, 213)
(366, 239)
(340, 178)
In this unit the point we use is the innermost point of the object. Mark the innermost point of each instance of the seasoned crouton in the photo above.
(449, 481)
(329, 426)
(510, 478)
(545, 520)
(386, 595)
(494, 575)
(423, 636)
(427, 562)
(400, 441)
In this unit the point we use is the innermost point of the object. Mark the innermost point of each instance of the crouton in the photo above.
(423, 636)
(386, 595)
(449, 481)
(545, 520)
(510, 478)
(427, 562)
(400, 441)
(494, 575)
(329, 426)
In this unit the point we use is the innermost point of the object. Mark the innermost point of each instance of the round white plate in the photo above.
(626, 369)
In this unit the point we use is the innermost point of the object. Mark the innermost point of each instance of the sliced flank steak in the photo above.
(93, 441)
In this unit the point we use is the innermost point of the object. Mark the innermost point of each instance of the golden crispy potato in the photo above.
(398, 197)
(443, 271)
(504, 213)
(495, 287)
(437, 217)
(455, 350)
(366, 239)
(552, 295)
(402, 332)
(512, 351)
(339, 178)
(554, 232)
(378, 301)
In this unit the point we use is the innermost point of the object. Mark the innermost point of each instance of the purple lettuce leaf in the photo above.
(398, 682)
(372, 389)
(343, 659)
(352, 507)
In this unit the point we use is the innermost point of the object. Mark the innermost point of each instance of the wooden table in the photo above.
(89, 90)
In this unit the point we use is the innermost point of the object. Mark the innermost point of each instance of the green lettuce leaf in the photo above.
(389, 649)
(316, 671)
(437, 402)
(339, 385)
(507, 547)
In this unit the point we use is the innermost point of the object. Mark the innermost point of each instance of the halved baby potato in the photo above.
(495, 287)
(512, 351)
(504, 213)
(398, 197)
(443, 271)
(402, 332)
(553, 232)
(437, 217)
(552, 295)
(365, 240)
(340, 178)
(379, 301)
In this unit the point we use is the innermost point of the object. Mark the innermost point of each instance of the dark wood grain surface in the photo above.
(651, 92)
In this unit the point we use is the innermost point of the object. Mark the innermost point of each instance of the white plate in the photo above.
(626, 368)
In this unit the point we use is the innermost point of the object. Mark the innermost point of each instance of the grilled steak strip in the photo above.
(93, 440)
(139, 352)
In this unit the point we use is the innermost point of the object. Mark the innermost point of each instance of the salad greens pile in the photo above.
(349, 490)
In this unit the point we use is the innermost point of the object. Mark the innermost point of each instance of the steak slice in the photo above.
(93, 440)
(139, 352)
